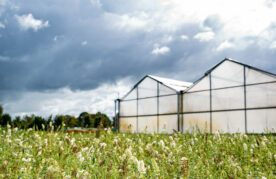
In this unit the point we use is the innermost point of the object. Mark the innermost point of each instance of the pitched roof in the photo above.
(174, 84)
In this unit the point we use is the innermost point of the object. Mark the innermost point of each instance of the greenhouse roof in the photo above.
(174, 84)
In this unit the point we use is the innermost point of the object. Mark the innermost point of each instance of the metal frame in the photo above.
(245, 103)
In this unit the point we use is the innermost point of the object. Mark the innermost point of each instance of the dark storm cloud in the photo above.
(55, 56)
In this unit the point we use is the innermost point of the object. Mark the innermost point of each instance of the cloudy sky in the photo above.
(69, 56)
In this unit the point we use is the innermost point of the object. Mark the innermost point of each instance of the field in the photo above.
(37, 154)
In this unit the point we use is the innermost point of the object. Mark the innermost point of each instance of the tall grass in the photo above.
(37, 154)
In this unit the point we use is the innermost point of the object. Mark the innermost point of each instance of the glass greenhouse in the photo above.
(231, 97)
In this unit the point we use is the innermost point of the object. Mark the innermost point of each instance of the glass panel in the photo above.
(147, 106)
(254, 76)
(196, 101)
(196, 121)
(147, 124)
(167, 123)
(147, 88)
(261, 121)
(131, 95)
(168, 104)
(228, 122)
(230, 98)
(128, 108)
(261, 95)
(163, 90)
(128, 124)
(227, 74)
(203, 84)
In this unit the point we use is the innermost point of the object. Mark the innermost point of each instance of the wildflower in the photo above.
(173, 144)
(184, 166)
(73, 140)
(217, 135)
(103, 145)
(161, 143)
(263, 143)
(244, 146)
(171, 138)
(155, 167)
(81, 158)
(84, 149)
(141, 166)
(115, 141)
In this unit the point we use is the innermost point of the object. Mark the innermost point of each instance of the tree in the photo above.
(81, 119)
(17, 122)
(5, 119)
(1, 110)
(71, 121)
(38, 121)
(59, 120)
(100, 117)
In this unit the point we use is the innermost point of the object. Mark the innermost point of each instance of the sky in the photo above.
(70, 56)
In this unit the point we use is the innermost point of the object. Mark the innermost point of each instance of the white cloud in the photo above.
(66, 101)
(224, 45)
(3, 2)
(28, 21)
(4, 58)
(83, 43)
(96, 3)
(127, 22)
(205, 36)
(161, 50)
(273, 45)
(184, 37)
(2, 26)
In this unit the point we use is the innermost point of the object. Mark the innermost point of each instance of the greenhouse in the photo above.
(231, 97)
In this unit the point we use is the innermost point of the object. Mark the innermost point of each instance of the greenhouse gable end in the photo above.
(231, 97)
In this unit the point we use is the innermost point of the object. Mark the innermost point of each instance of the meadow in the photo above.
(46, 154)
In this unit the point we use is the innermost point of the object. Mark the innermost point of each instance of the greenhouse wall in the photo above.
(231, 97)
(150, 107)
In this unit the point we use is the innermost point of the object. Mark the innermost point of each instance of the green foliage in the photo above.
(1, 110)
(5, 119)
(85, 120)
(38, 154)
(100, 117)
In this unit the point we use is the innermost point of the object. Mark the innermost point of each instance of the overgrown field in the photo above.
(34, 154)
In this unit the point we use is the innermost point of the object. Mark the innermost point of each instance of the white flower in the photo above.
(161, 143)
(171, 138)
(173, 144)
(217, 135)
(103, 145)
(84, 149)
(73, 140)
(244, 146)
(141, 166)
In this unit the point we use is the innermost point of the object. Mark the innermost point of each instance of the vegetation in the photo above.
(41, 154)
(85, 120)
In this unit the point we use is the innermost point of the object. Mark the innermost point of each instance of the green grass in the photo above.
(34, 154)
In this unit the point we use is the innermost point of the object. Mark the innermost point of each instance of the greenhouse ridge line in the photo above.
(193, 84)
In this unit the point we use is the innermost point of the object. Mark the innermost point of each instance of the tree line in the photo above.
(84, 120)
